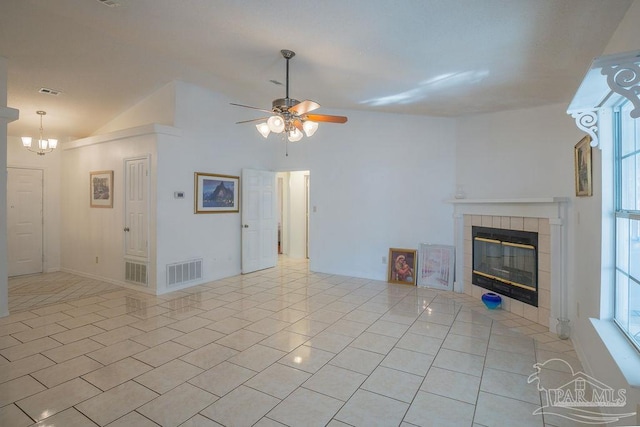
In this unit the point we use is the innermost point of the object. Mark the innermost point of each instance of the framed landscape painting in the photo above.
(216, 193)
(402, 266)
(101, 189)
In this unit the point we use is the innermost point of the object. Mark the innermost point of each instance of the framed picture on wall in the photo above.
(101, 189)
(436, 266)
(402, 266)
(582, 158)
(216, 193)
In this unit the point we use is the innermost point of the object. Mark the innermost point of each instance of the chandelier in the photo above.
(44, 145)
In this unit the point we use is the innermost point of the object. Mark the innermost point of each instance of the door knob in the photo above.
(246, 226)
(126, 229)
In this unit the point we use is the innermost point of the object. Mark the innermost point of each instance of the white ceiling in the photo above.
(431, 57)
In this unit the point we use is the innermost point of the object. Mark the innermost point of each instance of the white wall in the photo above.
(520, 153)
(98, 232)
(365, 181)
(158, 107)
(18, 157)
(206, 139)
(211, 142)
(377, 182)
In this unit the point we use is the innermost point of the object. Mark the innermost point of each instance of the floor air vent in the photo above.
(183, 272)
(135, 272)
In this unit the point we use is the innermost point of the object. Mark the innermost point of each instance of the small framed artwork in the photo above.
(582, 158)
(402, 266)
(436, 266)
(216, 193)
(101, 189)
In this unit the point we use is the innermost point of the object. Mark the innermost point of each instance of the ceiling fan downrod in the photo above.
(287, 54)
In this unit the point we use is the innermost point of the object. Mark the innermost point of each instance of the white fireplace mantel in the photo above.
(555, 209)
(538, 207)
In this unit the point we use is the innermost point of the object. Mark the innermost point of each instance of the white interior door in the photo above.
(24, 221)
(259, 220)
(306, 216)
(136, 207)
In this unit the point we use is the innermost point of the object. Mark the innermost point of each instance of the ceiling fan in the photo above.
(290, 115)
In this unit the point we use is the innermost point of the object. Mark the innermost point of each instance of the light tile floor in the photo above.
(280, 347)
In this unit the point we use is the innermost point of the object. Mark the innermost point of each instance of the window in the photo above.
(627, 213)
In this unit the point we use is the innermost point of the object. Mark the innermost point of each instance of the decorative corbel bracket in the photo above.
(624, 79)
(587, 120)
(610, 82)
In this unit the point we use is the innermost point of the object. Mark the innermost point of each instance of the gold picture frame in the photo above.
(101, 189)
(402, 266)
(582, 160)
(216, 193)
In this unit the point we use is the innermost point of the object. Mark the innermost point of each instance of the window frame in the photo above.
(619, 120)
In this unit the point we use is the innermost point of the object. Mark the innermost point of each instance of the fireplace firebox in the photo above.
(506, 262)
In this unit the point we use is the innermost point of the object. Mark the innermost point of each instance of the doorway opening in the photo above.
(293, 213)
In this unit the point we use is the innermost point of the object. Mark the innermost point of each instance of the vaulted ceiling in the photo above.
(427, 57)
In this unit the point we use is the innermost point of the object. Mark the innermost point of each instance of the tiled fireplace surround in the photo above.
(547, 217)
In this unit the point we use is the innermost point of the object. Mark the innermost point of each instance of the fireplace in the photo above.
(506, 262)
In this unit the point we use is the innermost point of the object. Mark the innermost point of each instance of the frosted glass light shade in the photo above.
(276, 124)
(295, 135)
(310, 127)
(53, 143)
(26, 141)
(263, 128)
(43, 144)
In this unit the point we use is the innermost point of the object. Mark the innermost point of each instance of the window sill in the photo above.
(622, 351)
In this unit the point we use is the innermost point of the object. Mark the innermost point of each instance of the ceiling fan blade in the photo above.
(298, 124)
(326, 118)
(253, 108)
(304, 107)
(252, 120)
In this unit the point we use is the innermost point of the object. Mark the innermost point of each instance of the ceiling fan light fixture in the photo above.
(295, 135)
(290, 116)
(310, 128)
(263, 128)
(276, 124)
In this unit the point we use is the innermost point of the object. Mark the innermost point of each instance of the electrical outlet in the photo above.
(384, 259)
